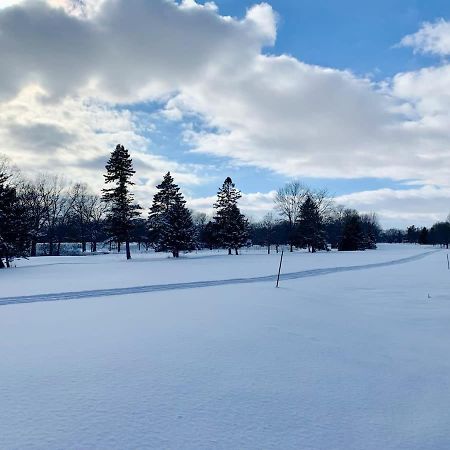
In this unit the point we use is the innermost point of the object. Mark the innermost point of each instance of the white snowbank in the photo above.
(355, 360)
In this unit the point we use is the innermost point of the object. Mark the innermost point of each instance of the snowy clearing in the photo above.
(347, 360)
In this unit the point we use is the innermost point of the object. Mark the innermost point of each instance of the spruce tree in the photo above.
(231, 225)
(167, 196)
(177, 231)
(14, 224)
(352, 238)
(310, 226)
(121, 207)
(423, 236)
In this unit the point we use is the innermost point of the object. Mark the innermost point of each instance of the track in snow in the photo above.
(199, 284)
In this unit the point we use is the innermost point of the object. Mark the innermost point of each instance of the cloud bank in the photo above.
(68, 65)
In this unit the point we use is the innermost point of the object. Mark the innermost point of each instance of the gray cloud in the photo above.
(40, 137)
(271, 111)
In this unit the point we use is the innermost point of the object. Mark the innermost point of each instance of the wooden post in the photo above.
(279, 268)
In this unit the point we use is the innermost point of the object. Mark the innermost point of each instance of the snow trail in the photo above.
(76, 295)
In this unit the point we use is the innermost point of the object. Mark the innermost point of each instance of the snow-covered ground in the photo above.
(346, 360)
(48, 274)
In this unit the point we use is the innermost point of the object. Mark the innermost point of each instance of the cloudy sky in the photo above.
(349, 95)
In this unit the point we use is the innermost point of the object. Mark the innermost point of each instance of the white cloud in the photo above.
(270, 111)
(433, 38)
(254, 205)
(74, 138)
(421, 206)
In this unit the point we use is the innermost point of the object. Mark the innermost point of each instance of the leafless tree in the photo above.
(288, 202)
(57, 202)
(268, 224)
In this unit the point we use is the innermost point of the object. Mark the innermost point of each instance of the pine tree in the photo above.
(231, 225)
(177, 231)
(310, 226)
(352, 238)
(14, 224)
(167, 196)
(121, 207)
(423, 236)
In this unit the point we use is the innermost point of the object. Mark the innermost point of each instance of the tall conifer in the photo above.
(121, 207)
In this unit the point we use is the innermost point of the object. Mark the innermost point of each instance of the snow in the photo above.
(346, 360)
(77, 273)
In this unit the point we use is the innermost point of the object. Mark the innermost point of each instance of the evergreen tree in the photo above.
(352, 234)
(209, 235)
(310, 226)
(14, 226)
(167, 196)
(231, 224)
(177, 231)
(412, 234)
(121, 207)
(371, 230)
(440, 234)
(423, 236)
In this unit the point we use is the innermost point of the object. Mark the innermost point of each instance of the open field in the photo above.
(338, 359)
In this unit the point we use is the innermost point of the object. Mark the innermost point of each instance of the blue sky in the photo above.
(349, 96)
(350, 35)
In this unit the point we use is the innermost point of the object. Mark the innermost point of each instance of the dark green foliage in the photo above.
(412, 234)
(14, 226)
(177, 232)
(352, 238)
(440, 234)
(166, 197)
(121, 207)
(232, 226)
(170, 225)
(423, 236)
(310, 227)
(209, 236)
(371, 230)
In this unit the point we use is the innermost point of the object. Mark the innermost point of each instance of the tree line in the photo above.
(437, 234)
(49, 211)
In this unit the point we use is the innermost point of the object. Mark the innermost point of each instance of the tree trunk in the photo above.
(139, 245)
(236, 250)
(58, 249)
(50, 248)
(118, 247)
(276, 248)
(229, 251)
(2, 265)
(7, 261)
(291, 247)
(94, 246)
(33, 250)
(127, 247)
(83, 246)
(268, 249)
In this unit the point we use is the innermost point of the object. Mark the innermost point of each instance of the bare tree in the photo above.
(288, 202)
(268, 224)
(33, 196)
(97, 214)
(57, 206)
(80, 199)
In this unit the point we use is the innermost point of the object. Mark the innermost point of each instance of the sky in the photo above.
(350, 96)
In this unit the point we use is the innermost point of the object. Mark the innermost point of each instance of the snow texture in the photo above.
(348, 360)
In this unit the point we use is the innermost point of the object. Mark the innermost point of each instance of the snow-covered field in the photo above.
(354, 359)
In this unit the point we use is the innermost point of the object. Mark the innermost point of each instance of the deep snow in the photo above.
(351, 360)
